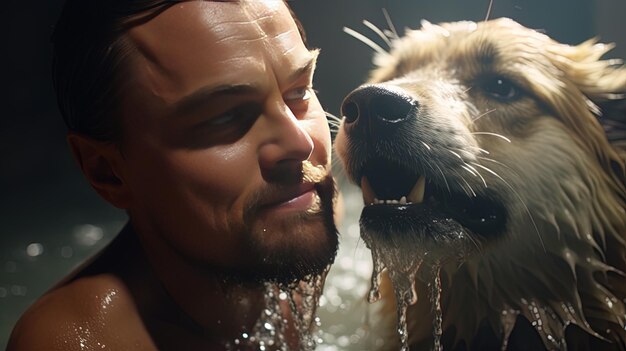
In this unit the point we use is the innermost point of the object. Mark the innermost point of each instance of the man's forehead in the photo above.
(191, 40)
(222, 20)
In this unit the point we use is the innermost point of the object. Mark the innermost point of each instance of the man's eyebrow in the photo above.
(306, 68)
(201, 96)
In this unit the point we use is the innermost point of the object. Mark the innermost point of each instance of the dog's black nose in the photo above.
(378, 105)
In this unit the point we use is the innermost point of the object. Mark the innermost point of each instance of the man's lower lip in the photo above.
(301, 202)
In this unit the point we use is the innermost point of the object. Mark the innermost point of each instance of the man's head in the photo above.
(199, 119)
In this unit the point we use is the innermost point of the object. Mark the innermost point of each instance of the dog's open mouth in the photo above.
(399, 197)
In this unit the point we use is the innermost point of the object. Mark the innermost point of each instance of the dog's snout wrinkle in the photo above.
(378, 107)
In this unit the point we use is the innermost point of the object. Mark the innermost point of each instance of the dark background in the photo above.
(50, 219)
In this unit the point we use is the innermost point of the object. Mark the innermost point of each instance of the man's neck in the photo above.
(205, 302)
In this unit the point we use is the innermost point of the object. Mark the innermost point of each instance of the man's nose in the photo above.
(287, 143)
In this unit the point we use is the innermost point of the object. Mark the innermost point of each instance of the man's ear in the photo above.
(101, 164)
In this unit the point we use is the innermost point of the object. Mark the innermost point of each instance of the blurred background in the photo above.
(51, 220)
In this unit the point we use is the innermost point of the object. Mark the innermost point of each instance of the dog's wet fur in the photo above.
(521, 142)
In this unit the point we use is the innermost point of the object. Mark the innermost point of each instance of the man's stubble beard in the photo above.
(303, 245)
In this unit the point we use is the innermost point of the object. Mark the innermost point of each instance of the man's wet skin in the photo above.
(223, 169)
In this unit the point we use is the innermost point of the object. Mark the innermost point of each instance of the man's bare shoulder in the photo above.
(89, 313)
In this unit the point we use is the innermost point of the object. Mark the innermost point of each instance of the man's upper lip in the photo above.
(284, 194)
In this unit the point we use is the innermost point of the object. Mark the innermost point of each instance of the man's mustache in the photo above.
(290, 180)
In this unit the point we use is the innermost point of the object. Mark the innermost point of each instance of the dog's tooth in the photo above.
(368, 194)
(417, 193)
(403, 200)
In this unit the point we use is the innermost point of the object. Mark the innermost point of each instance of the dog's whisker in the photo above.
(487, 169)
(377, 30)
(390, 24)
(469, 170)
(489, 8)
(493, 134)
(478, 173)
(426, 146)
(472, 192)
(509, 168)
(332, 117)
(365, 40)
(492, 160)
(444, 179)
(455, 154)
(468, 191)
(483, 114)
(483, 151)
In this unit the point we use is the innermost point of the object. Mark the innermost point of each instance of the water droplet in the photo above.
(88, 235)
(34, 249)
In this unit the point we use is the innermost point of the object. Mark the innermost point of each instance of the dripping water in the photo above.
(405, 256)
(402, 268)
(435, 301)
(270, 330)
(307, 292)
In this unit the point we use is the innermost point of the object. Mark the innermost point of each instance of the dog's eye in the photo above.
(500, 88)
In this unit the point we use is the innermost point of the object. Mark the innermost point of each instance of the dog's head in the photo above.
(484, 142)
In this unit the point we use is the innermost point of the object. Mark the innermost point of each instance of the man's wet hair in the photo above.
(90, 61)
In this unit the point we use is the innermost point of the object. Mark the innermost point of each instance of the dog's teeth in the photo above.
(368, 194)
(417, 193)
(403, 200)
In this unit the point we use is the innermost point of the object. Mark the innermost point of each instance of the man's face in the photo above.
(226, 147)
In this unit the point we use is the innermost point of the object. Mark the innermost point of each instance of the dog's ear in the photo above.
(603, 82)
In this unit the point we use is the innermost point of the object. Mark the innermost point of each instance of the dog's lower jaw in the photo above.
(493, 291)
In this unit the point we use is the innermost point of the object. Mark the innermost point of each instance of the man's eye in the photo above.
(302, 93)
(223, 119)
(500, 88)
(242, 114)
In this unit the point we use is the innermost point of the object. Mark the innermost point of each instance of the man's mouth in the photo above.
(393, 192)
(300, 198)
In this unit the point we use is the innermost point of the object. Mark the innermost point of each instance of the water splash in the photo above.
(270, 330)
(307, 293)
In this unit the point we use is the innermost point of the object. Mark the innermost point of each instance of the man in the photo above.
(199, 119)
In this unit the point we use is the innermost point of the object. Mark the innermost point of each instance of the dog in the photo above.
(496, 155)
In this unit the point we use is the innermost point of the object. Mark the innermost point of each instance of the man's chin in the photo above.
(300, 246)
